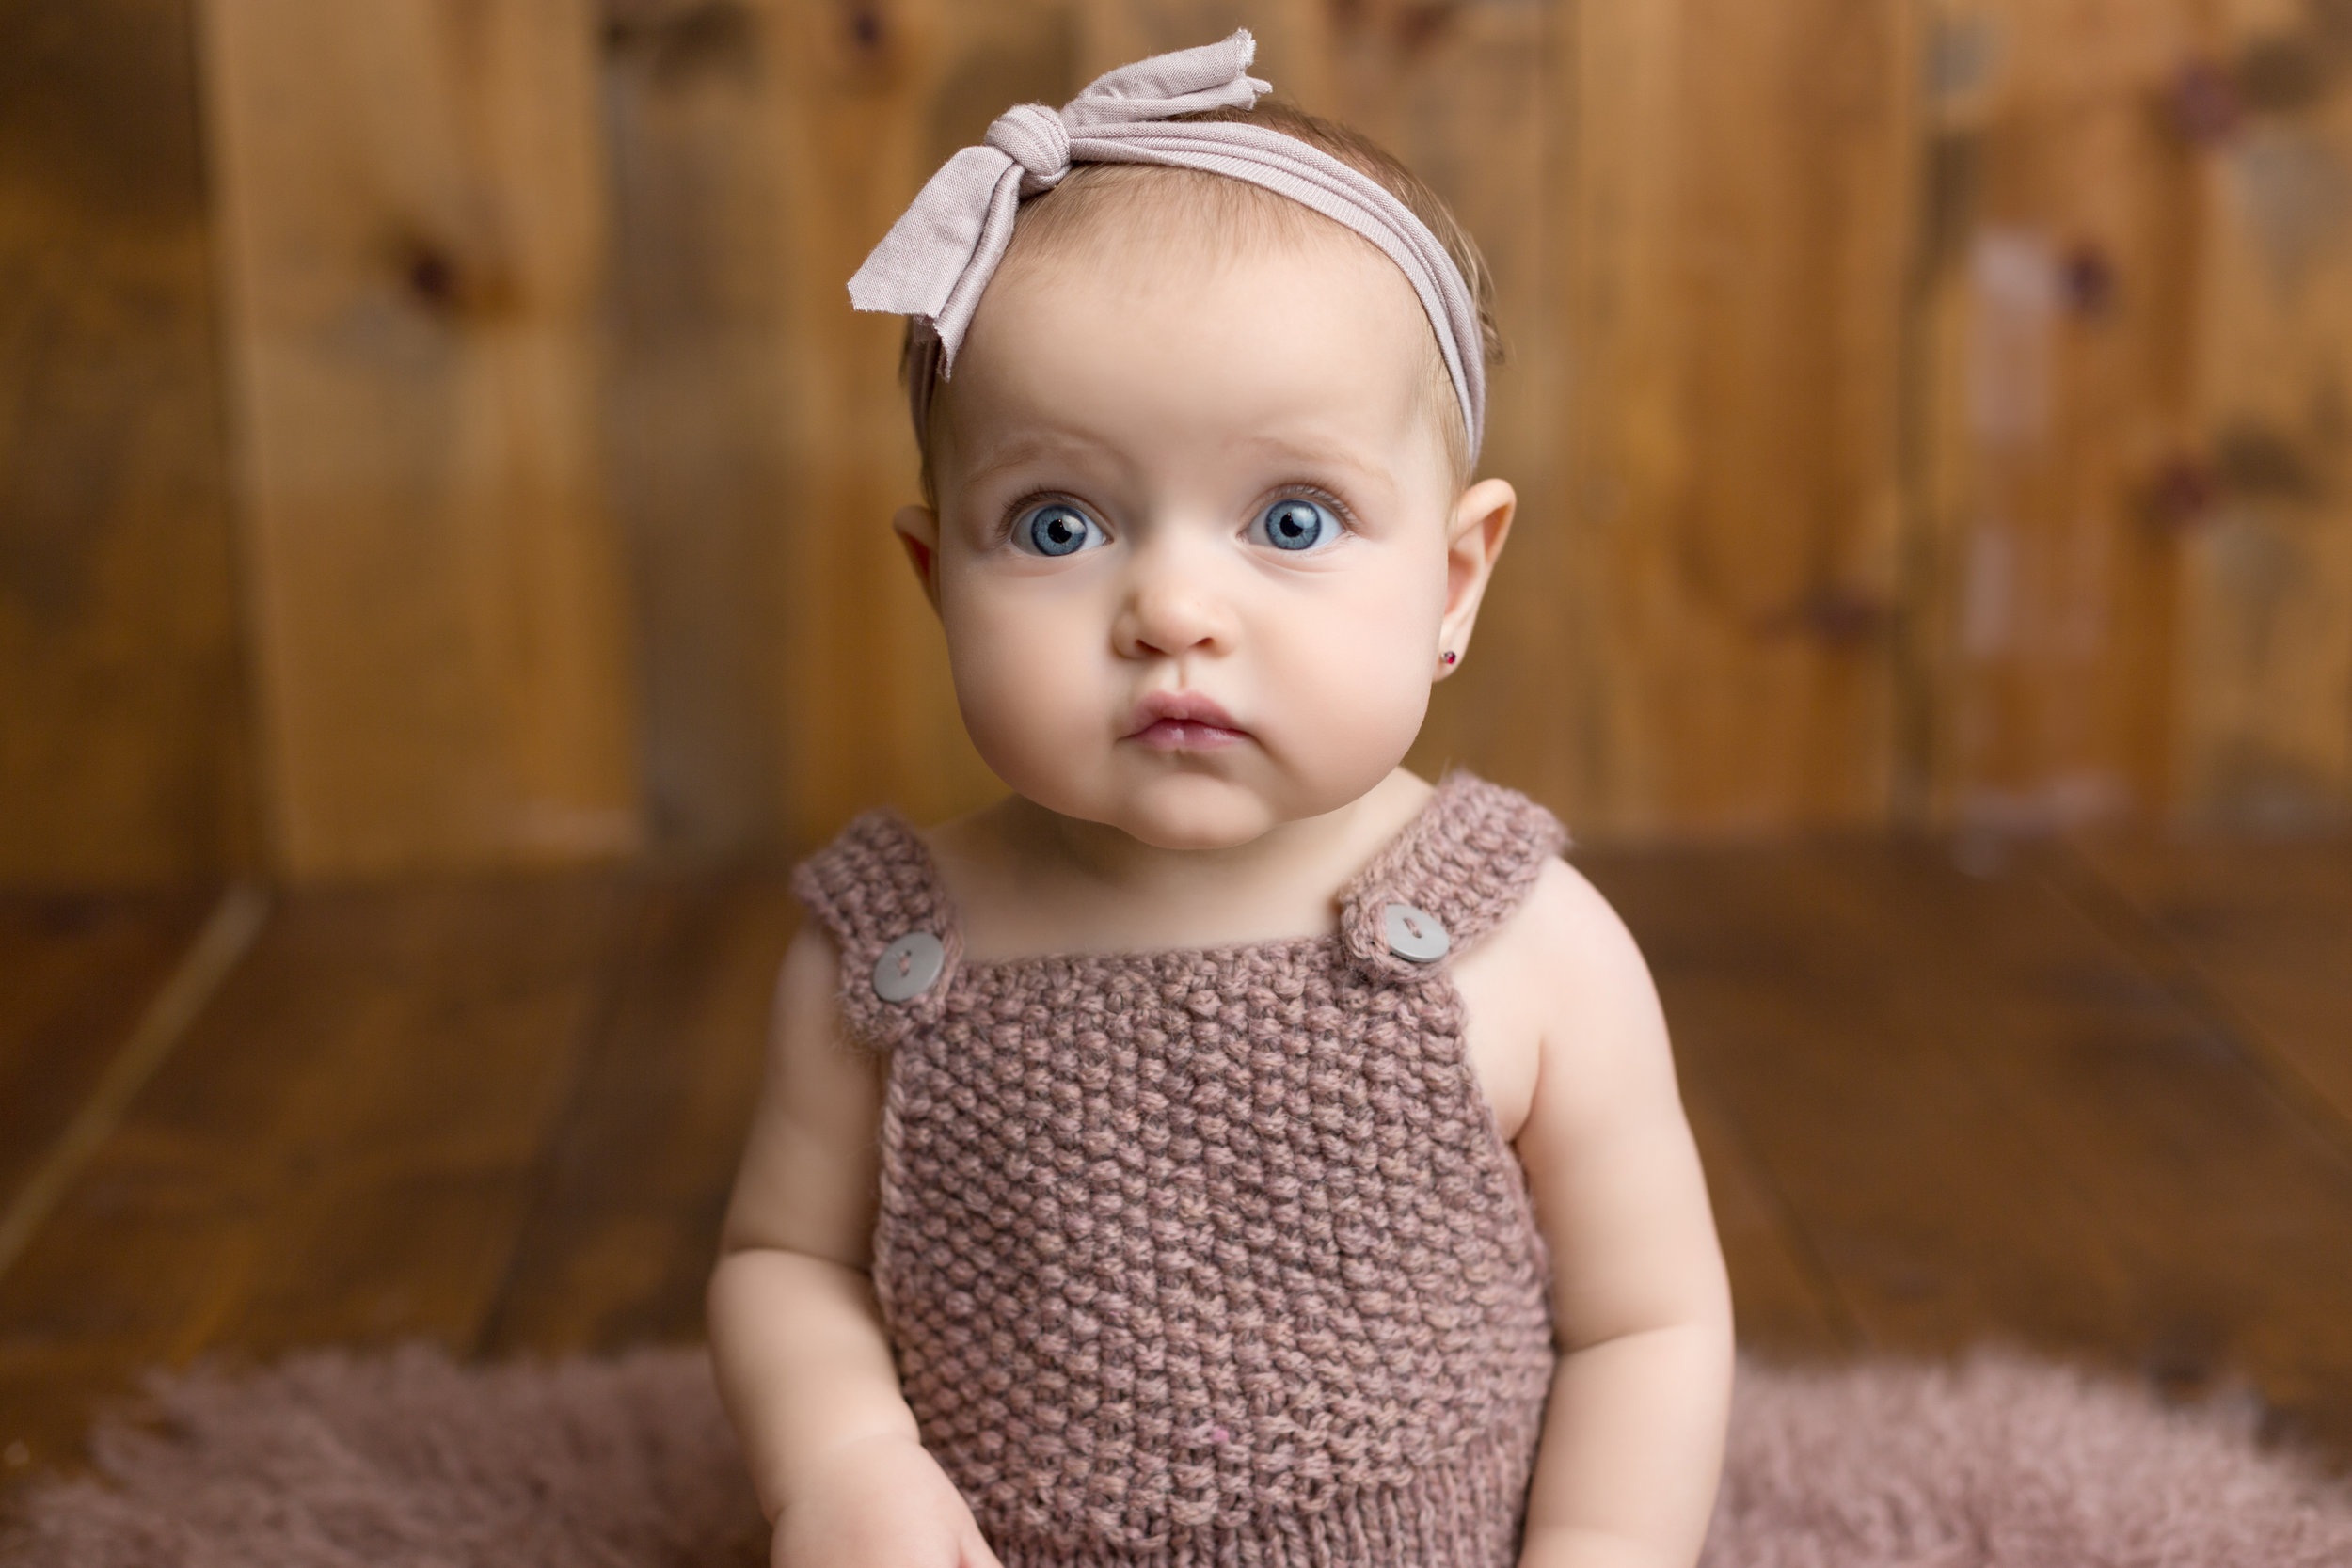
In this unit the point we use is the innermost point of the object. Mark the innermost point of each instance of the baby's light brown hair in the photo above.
(1237, 213)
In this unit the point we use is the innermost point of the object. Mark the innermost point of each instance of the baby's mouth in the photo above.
(1182, 721)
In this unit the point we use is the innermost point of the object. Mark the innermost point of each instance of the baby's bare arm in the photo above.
(1632, 1438)
(797, 1339)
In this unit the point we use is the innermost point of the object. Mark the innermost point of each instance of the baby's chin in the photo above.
(1192, 828)
(1199, 810)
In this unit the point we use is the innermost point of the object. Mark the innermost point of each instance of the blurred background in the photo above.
(436, 434)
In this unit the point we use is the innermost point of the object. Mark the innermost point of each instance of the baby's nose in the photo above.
(1171, 611)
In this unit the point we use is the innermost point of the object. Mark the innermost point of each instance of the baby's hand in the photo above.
(877, 1502)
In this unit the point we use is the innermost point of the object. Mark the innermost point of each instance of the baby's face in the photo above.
(1192, 550)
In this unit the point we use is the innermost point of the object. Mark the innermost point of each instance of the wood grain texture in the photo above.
(342, 1150)
(2057, 366)
(1785, 1303)
(412, 208)
(1990, 1118)
(2261, 933)
(75, 973)
(1931, 1210)
(2173, 1124)
(1922, 413)
(1736, 185)
(124, 738)
(623, 1227)
(2264, 649)
(696, 379)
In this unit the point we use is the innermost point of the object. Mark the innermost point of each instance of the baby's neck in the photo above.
(1029, 882)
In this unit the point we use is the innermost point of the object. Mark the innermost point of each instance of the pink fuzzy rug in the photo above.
(406, 1461)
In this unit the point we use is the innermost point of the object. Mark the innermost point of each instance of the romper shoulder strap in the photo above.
(1463, 866)
(877, 894)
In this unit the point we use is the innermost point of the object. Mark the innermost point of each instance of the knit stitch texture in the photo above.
(1210, 1256)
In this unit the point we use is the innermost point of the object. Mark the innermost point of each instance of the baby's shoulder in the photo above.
(1561, 951)
(1563, 913)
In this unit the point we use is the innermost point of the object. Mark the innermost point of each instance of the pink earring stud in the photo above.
(1450, 656)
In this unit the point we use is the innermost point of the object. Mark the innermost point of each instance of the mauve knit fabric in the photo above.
(1210, 1256)
(343, 1459)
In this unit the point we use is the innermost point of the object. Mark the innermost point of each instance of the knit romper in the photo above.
(1209, 1257)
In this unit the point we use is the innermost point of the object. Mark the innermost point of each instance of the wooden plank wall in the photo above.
(2060, 303)
(1736, 186)
(696, 381)
(2135, 587)
(1924, 413)
(123, 739)
(411, 205)
(2265, 649)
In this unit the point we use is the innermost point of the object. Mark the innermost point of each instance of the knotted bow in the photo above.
(939, 256)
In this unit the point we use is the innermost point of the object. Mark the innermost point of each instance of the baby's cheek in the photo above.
(1365, 687)
(1020, 692)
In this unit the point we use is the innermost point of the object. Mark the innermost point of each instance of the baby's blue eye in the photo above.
(1056, 529)
(1295, 523)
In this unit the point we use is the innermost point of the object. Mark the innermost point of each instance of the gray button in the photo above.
(1414, 935)
(909, 966)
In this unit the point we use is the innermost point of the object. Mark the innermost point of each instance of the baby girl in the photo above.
(1229, 1147)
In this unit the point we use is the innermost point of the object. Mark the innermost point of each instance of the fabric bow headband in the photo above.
(939, 256)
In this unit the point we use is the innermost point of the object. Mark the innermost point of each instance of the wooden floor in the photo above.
(2096, 1102)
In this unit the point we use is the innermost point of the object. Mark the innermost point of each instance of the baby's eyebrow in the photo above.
(1311, 452)
(1337, 459)
(1027, 449)
(1317, 453)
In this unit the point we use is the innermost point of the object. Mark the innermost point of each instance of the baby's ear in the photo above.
(1474, 536)
(917, 527)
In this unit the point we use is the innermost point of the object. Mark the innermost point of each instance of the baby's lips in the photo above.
(1175, 734)
(1186, 708)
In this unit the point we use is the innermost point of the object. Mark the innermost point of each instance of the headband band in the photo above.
(939, 256)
